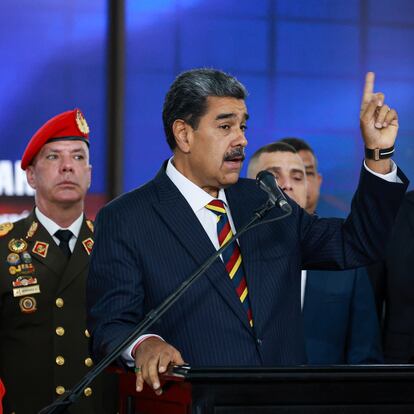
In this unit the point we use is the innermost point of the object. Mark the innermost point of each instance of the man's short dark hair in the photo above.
(274, 147)
(269, 148)
(187, 97)
(300, 145)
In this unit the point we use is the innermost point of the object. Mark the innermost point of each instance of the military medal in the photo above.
(24, 269)
(5, 228)
(26, 258)
(32, 230)
(40, 248)
(27, 269)
(90, 225)
(14, 269)
(22, 281)
(88, 245)
(17, 245)
(28, 304)
(13, 259)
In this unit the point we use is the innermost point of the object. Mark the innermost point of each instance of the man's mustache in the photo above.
(235, 154)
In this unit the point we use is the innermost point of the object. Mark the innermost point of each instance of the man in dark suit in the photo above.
(246, 310)
(44, 264)
(394, 288)
(340, 320)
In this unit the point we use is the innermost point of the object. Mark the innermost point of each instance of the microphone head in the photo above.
(285, 206)
(267, 182)
(265, 179)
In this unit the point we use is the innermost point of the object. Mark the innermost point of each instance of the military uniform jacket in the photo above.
(43, 336)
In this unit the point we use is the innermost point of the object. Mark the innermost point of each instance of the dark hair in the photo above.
(269, 148)
(187, 97)
(273, 147)
(300, 145)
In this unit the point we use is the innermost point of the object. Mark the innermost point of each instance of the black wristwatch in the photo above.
(379, 153)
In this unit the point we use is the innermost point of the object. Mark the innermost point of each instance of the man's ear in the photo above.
(90, 176)
(30, 176)
(319, 179)
(183, 134)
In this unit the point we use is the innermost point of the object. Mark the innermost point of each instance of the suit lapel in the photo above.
(181, 220)
(79, 259)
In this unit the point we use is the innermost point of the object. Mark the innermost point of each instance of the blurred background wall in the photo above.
(303, 62)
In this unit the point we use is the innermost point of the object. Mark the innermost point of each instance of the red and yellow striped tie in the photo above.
(232, 257)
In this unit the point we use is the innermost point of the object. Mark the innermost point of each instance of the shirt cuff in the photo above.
(129, 353)
(391, 177)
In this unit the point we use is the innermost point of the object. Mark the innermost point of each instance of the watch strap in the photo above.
(379, 153)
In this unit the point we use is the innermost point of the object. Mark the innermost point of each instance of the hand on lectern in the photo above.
(152, 358)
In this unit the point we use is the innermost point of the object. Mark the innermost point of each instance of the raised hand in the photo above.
(378, 122)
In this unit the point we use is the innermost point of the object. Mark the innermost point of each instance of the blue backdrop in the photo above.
(303, 62)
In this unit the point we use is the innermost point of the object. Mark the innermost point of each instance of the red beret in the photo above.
(69, 125)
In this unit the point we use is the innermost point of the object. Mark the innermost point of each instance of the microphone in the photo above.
(267, 182)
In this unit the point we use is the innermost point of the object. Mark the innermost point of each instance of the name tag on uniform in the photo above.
(28, 290)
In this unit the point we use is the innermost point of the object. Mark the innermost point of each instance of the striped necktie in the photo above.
(232, 257)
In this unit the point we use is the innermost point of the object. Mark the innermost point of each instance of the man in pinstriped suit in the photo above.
(170, 234)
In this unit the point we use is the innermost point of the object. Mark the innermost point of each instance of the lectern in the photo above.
(289, 390)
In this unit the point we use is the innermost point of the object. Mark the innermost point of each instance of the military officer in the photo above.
(44, 262)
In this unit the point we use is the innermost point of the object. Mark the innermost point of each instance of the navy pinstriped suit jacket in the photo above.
(148, 241)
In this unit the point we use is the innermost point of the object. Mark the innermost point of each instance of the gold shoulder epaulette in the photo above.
(5, 228)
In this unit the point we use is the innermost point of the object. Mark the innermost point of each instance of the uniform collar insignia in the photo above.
(88, 245)
(40, 248)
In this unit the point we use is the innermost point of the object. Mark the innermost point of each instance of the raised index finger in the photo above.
(368, 88)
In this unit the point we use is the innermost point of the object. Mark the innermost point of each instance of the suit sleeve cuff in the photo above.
(129, 353)
(391, 177)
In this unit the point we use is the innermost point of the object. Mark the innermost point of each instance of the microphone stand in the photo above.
(61, 404)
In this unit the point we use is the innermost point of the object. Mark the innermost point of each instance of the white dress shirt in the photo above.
(391, 177)
(303, 275)
(52, 228)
